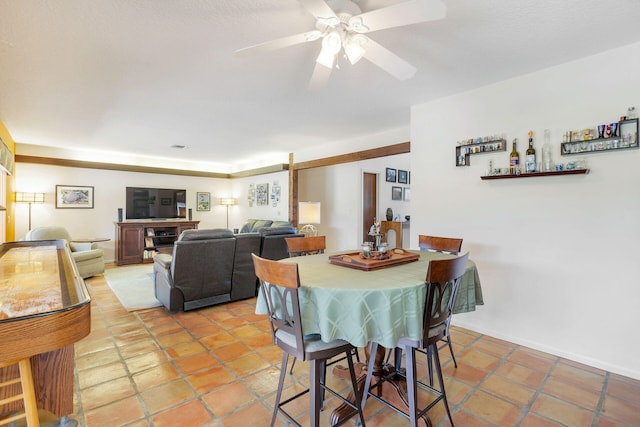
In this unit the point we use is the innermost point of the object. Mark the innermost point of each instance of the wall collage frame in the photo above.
(401, 177)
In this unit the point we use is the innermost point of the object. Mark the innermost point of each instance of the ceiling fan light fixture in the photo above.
(354, 47)
(331, 45)
(326, 58)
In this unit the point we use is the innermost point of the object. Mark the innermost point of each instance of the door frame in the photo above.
(377, 207)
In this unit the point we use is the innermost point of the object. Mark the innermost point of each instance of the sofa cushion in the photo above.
(270, 231)
(248, 226)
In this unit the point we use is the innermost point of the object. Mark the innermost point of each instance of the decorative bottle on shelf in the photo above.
(547, 160)
(530, 158)
(389, 214)
(514, 158)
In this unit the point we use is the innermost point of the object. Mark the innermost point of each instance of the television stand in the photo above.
(137, 242)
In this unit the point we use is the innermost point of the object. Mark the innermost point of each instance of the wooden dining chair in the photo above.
(311, 245)
(24, 381)
(279, 284)
(449, 245)
(439, 244)
(442, 281)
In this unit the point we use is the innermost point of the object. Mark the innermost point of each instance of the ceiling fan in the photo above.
(342, 27)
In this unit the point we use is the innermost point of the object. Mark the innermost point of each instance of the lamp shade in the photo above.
(228, 201)
(309, 212)
(22, 197)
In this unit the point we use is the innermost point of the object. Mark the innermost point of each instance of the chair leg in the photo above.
(430, 365)
(30, 405)
(283, 370)
(315, 391)
(293, 364)
(451, 350)
(441, 379)
(367, 382)
(412, 386)
(354, 384)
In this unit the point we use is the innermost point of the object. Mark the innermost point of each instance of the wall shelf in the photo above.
(464, 151)
(537, 174)
(626, 137)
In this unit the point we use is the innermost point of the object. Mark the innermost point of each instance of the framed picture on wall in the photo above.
(391, 175)
(403, 177)
(262, 194)
(396, 193)
(406, 194)
(203, 201)
(74, 197)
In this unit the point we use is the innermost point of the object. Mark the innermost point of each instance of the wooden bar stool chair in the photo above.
(279, 284)
(447, 245)
(27, 395)
(443, 280)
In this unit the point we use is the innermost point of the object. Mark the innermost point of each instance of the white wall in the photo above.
(339, 189)
(109, 195)
(557, 256)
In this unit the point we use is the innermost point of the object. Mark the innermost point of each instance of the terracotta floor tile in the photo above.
(246, 365)
(100, 374)
(228, 398)
(231, 351)
(493, 346)
(624, 388)
(533, 420)
(578, 376)
(185, 349)
(531, 360)
(97, 358)
(103, 394)
(145, 361)
(205, 331)
(521, 374)
(508, 390)
(256, 414)
(175, 338)
(232, 323)
(217, 340)
(118, 413)
(466, 373)
(558, 410)
(246, 331)
(570, 392)
(478, 359)
(167, 395)
(212, 378)
(138, 348)
(155, 376)
(195, 363)
(621, 410)
(259, 341)
(492, 409)
(192, 413)
(89, 345)
(192, 319)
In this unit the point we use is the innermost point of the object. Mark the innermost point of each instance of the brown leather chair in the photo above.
(279, 285)
(443, 281)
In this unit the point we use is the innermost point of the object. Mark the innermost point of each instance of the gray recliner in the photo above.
(88, 257)
(198, 273)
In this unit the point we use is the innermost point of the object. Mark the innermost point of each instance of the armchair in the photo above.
(88, 257)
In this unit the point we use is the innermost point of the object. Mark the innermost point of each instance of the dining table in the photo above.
(379, 305)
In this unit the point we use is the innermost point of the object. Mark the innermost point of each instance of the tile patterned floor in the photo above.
(217, 367)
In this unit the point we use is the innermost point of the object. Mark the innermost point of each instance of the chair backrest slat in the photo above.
(279, 284)
(440, 244)
(443, 281)
(298, 246)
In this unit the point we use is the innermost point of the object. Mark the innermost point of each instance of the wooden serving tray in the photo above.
(355, 260)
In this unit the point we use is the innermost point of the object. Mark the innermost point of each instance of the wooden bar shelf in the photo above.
(537, 174)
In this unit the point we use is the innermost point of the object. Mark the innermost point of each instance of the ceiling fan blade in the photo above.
(318, 8)
(398, 15)
(279, 43)
(319, 78)
(388, 61)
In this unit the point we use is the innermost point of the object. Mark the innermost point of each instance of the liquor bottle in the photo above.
(514, 158)
(530, 158)
(547, 158)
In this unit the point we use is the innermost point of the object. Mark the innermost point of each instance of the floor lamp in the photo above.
(228, 201)
(309, 214)
(29, 198)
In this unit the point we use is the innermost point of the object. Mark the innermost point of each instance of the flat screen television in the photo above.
(155, 203)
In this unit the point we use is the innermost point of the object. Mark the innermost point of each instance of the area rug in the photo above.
(133, 285)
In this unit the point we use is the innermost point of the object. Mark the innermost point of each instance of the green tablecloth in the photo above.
(362, 306)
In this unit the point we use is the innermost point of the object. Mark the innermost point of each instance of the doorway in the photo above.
(369, 202)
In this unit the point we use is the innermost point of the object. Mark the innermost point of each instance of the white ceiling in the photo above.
(137, 76)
